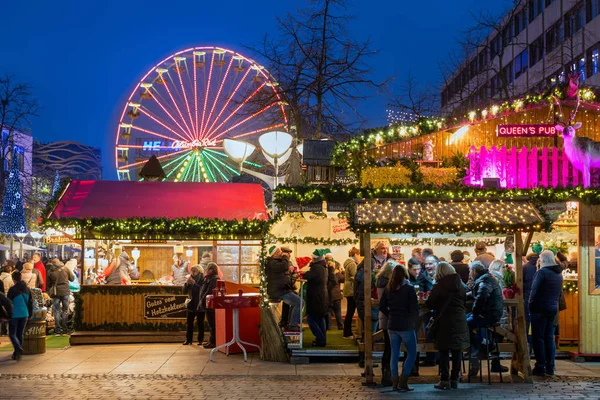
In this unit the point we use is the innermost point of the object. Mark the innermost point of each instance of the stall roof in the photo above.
(172, 200)
(446, 215)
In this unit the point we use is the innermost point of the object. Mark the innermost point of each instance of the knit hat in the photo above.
(547, 259)
(272, 250)
(553, 250)
(537, 248)
(320, 252)
(509, 259)
(457, 256)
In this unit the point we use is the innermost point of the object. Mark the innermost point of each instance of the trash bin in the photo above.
(34, 340)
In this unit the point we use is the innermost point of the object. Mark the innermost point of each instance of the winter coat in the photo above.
(40, 267)
(59, 276)
(278, 277)
(333, 286)
(193, 292)
(452, 332)
(22, 300)
(349, 273)
(381, 284)
(488, 302)
(462, 270)
(359, 283)
(32, 278)
(206, 289)
(401, 307)
(546, 290)
(317, 299)
(7, 281)
(529, 271)
(425, 282)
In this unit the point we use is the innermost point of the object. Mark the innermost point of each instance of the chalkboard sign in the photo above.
(164, 307)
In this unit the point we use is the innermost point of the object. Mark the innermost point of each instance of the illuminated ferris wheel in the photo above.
(186, 105)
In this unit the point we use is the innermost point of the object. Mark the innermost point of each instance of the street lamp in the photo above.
(274, 146)
(238, 151)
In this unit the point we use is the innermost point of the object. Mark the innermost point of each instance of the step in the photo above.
(106, 337)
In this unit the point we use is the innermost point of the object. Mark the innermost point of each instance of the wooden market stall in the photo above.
(151, 221)
(380, 217)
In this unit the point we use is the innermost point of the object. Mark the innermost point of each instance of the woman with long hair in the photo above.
(451, 333)
(399, 303)
(383, 279)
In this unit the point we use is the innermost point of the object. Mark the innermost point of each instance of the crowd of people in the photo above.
(453, 302)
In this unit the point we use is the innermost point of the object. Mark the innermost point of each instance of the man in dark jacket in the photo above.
(487, 307)
(279, 285)
(192, 288)
(211, 276)
(425, 280)
(58, 288)
(317, 298)
(529, 270)
(543, 306)
(460, 267)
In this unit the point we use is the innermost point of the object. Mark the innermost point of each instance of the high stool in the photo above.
(489, 337)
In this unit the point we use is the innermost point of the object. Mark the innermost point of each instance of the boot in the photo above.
(395, 381)
(497, 367)
(474, 369)
(453, 384)
(386, 377)
(403, 384)
(442, 385)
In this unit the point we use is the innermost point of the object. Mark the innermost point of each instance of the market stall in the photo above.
(159, 229)
(382, 218)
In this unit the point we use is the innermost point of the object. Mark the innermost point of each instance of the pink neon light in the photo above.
(170, 116)
(268, 128)
(219, 91)
(187, 105)
(212, 61)
(160, 158)
(161, 123)
(195, 92)
(244, 120)
(177, 108)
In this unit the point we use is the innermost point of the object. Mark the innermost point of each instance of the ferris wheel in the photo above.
(186, 105)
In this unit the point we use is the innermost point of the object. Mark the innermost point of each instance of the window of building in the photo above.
(507, 72)
(536, 51)
(591, 10)
(577, 65)
(554, 36)
(482, 62)
(495, 46)
(548, 2)
(574, 20)
(19, 152)
(592, 60)
(521, 63)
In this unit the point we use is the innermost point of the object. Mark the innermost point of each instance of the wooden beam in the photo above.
(520, 359)
(365, 247)
(527, 243)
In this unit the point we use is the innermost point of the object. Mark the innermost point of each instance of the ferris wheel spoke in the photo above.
(208, 170)
(166, 85)
(256, 114)
(159, 158)
(180, 161)
(155, 119)
(234, 112)
(231, 96)
(212, 62)
(169, 114)
(137, 128)
(195, 93)
(212, 109)
(187, 104)
(219, 166)
(268, 128)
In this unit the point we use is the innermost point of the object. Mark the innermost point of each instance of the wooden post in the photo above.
(520, 360)
(365, 247)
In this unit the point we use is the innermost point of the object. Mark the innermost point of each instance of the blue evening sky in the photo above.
(83, 58)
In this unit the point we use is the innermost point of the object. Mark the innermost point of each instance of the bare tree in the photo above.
(415, 99)
(321, 69)
(17, 109)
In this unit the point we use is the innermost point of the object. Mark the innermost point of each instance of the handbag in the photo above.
(431, 327)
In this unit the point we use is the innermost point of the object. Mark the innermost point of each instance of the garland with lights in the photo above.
(312, 240)
(570, 286)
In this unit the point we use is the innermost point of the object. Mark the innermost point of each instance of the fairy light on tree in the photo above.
(13, 214)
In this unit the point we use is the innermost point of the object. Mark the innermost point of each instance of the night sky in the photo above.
(83, 58)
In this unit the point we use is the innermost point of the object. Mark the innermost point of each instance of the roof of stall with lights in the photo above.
(446, 216)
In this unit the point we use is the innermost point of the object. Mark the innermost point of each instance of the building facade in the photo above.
(71, 159)
(537, 45)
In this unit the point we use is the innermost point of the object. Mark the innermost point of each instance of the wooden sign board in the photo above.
(165, 307)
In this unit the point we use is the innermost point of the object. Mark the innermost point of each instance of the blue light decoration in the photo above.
(56, 185)
(13, 214)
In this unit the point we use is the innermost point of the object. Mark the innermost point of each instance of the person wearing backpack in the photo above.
(58, 288)
(22, 310)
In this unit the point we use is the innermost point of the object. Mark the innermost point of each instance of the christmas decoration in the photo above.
(56, 185)
(570, 286)
(13, 214)
(428, 150)
(382, 176)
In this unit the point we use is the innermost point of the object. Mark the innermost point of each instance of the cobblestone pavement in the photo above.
(100, 387)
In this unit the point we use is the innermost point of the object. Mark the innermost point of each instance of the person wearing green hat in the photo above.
(529, 270)
(317, 298)
(277, 268)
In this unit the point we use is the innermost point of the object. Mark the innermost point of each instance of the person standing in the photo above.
(118, 271)
(334, 293)
(192, 289)
(543, 306)
(31, 276)
(39, 265)
(399, 303)
(6, 275)
(426, 279)
(349, 273)
(179, 270)
(58, 288)
(22, 302)
(529, 271)
(383, 278)
(279, 285)
(447, 298)
(459, 266)
(211, 276)
(317, 299)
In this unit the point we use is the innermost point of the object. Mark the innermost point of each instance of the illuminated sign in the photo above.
(206, 142)
(545, 130)
(152, 145)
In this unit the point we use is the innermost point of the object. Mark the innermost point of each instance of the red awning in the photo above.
(125, 199)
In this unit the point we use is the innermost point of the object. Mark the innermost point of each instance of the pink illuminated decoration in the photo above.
(524, 168)
(187, 104)
(582, 152)
(525, 130)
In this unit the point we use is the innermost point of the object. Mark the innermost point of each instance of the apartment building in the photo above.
(536, 45)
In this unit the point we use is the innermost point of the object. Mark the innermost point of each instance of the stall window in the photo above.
(239, 261)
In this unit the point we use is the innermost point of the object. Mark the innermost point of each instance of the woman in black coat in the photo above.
(317, 298)
(192, 289)
(447, 299)
(211, 276)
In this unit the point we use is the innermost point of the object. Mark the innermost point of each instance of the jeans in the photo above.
(336, 310)
(16, 329)
(199, 317)
(318, 326)
(475, 322)
(544, 348)
(350, 309)
(409, 338)
(295, 303)
(60, 309)
(445, 364)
